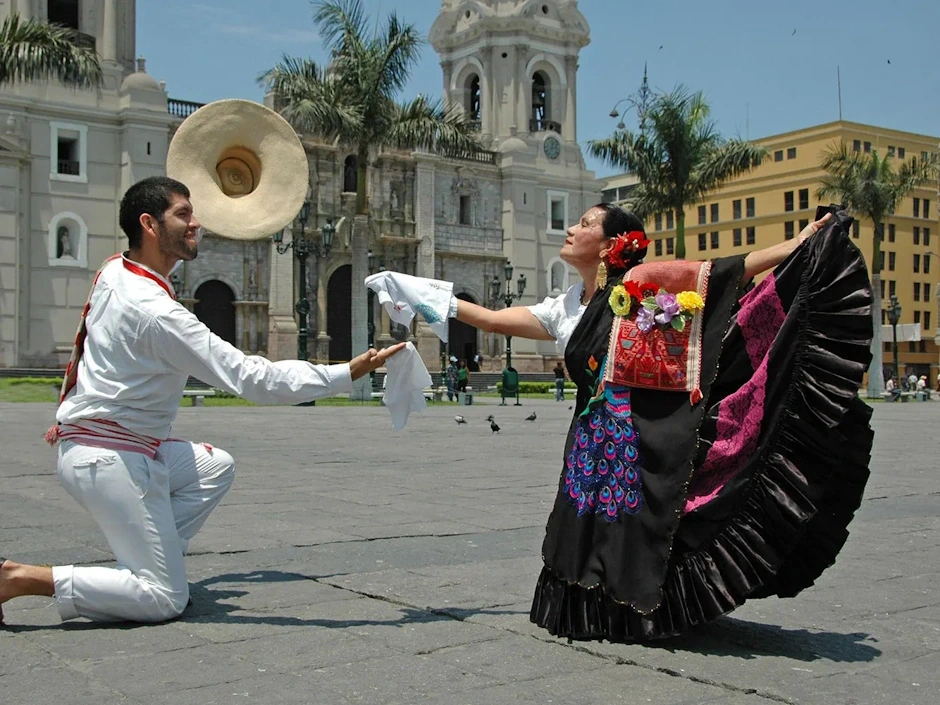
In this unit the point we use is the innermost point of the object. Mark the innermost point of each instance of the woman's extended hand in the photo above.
(371, 359)
(814, 227)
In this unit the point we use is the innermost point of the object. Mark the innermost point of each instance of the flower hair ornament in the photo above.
(625, 244)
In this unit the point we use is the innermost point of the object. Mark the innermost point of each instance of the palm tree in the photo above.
(32, 51)
(354, 101)
(868, 186)
(678, 156)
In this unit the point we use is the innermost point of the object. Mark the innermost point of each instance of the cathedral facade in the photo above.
(510, 64)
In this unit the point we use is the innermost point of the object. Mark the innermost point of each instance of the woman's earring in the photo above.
(601, 280)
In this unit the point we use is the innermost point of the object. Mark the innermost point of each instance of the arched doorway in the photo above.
(215, 306)
(462, 338)
(338, 305)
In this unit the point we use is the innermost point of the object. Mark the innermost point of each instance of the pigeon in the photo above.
(490, 418)
(531, 417)
(493, 427)
(660, 47)
(460, 420)
(889, 61)
(794, 32)
(570, 408)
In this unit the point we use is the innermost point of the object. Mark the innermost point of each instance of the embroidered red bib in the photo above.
(662, 358)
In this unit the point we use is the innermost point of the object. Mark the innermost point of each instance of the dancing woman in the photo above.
(718, 449)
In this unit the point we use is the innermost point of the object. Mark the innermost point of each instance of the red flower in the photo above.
(634, 290)
(648, 289)
(618, 257)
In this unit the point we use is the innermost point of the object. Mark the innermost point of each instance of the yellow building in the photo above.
(775, 201)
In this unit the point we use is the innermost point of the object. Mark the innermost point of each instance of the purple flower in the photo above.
(669, 306)
(644, 319)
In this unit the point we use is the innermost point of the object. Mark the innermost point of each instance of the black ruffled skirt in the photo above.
(781, 461)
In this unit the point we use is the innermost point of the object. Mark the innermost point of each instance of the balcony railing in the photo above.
(478, 155)
(476, 125)
(182, 108)
(66, 166)
(544, 126)
(80, 39)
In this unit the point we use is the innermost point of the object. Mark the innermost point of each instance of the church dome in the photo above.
(141, 80)
(513, 144)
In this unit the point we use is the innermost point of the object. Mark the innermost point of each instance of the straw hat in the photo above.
(245, 167)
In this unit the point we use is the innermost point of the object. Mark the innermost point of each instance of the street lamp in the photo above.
(894, 315)
(302, 247)
(507, 297)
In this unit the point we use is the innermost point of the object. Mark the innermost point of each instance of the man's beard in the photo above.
(177, 247)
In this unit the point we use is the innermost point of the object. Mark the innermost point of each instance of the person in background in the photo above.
(559, 381)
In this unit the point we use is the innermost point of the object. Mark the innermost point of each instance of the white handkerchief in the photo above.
(405, 380)
(403, 296)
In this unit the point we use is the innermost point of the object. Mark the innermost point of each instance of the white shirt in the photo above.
(559, 315)
(142, 346)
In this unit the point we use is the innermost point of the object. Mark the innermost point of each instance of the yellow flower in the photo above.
(690, 301)
(620, 301)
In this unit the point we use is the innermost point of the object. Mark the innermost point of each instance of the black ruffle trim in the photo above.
(794, 513)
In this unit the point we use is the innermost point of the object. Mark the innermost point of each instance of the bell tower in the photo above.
(512, 64)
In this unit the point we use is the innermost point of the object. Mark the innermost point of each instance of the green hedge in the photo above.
(15, 381)
(536, 387)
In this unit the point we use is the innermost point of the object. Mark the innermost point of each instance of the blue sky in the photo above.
(759, 77)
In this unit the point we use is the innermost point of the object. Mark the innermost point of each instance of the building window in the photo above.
(701, 241)
(891, 258)
(926, 234)
(788, 230)
(659, 248)
(856, 145)
(701, 215)
(916, 236)
(788, 201)
(465, 210)
(749, 203)
(890, 150)
(867, 147)
(804, 199)
(926, 320)
(926, 207)
(901, 152)
(557, 276)
(855, 229)
(751, 236)
(67, 241)
(881, 260)
(916, 264)
(803, 223)
(917, 208)
(670, 246)
(557, 212)
(736, 237)
(64, 12)
(714, 212)
(609, 196)
(736, 209)
(891, 232)
(916, 316)
(912, 346)
(669, 221)
(926, 264)
(474, 111)
(892, 289)
(916, 291)
(715, 240)
(791, 153)
(69, 152)
(659, 221)
(351, 174)
(541, 103)
(778, 155)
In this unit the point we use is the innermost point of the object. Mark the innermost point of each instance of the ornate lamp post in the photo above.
(894, 315)
(507, 297)
(302, 247)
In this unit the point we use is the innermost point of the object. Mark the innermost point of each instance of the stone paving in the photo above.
(350, 564)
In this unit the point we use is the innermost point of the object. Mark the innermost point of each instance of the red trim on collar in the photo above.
(137, 269)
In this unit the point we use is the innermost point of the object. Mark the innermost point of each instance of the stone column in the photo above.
(359, 247)
(241, 333)
(570, 127)
(487, 97)
(384, 338)
(282, 328)
(24, 8)
(109, 35)
(323, 340)
(523, 88)
(426, 341)
(447, 68)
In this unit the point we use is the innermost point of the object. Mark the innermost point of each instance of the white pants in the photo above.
(148, 511)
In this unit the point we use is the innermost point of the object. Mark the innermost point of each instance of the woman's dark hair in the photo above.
(151, 195)
(618, 221)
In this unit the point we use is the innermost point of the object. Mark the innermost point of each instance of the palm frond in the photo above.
(398, 54)
(31, 51)
(730, 159)
(423, 124)
(342, 24)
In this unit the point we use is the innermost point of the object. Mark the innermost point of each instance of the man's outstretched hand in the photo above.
(372, 359)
